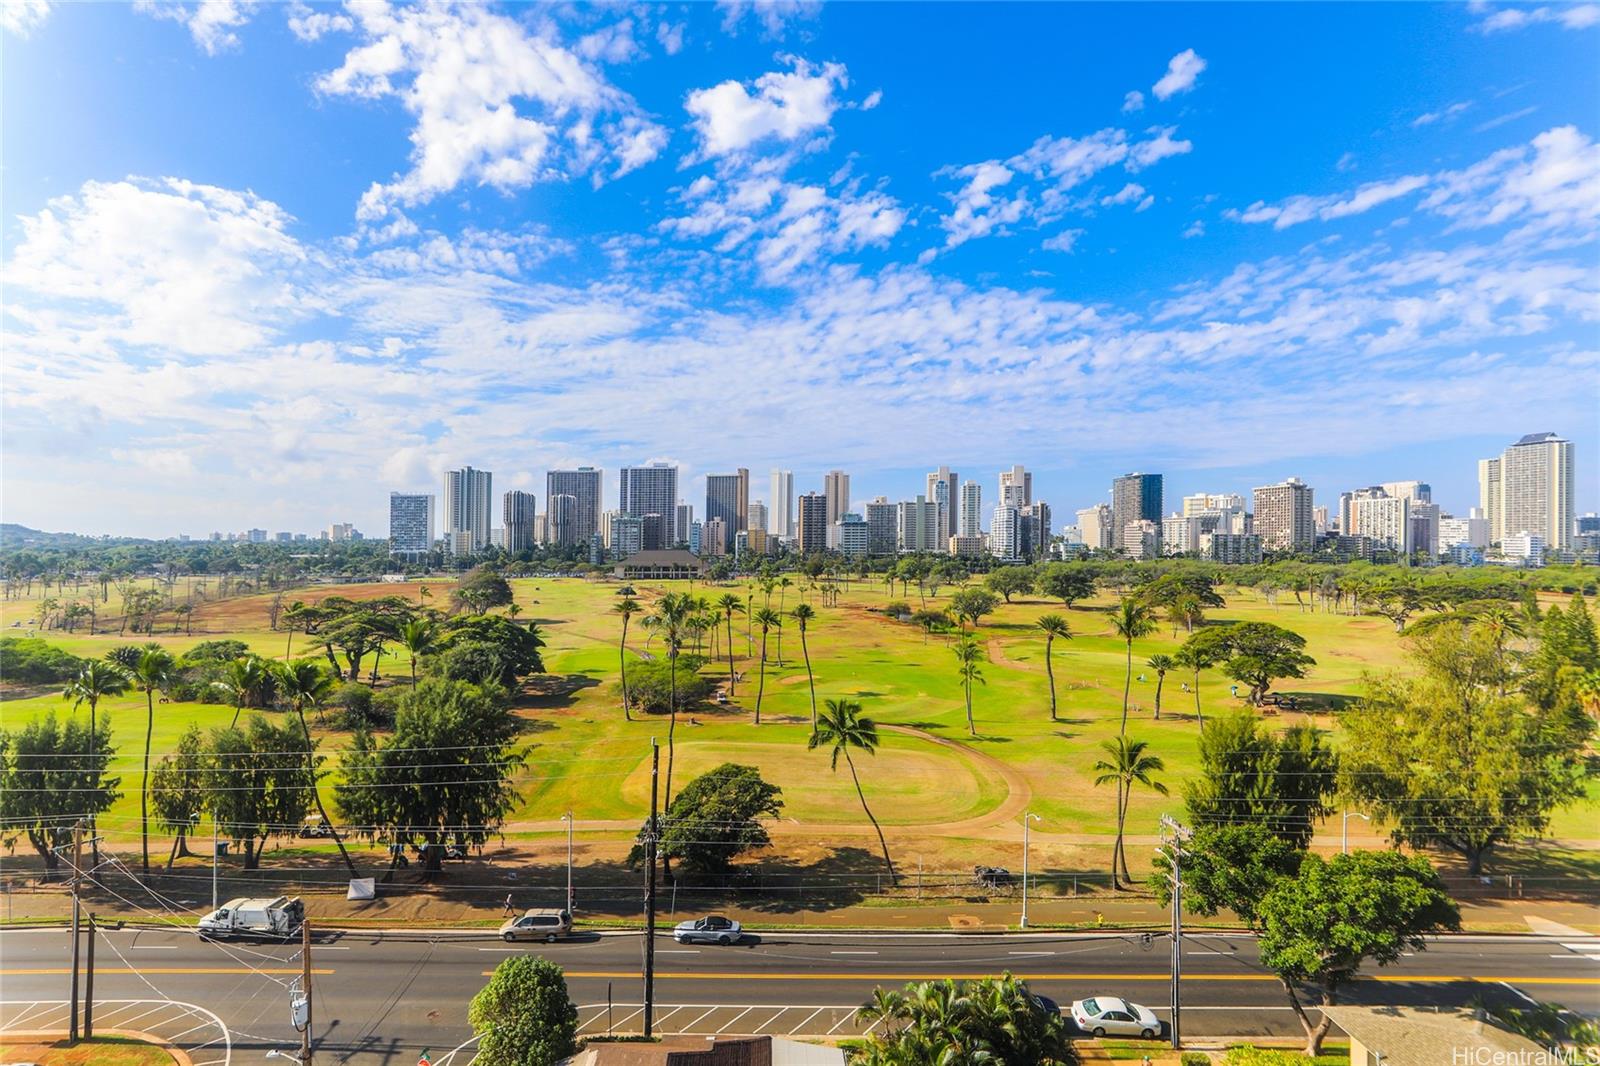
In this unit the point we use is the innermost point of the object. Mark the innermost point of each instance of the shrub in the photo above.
(1194, 1058)
(215, 651)
(1250, 1055)
(355, 707)
(650, 684)
(36, 662)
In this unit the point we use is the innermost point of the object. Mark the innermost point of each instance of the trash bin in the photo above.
(222, 849)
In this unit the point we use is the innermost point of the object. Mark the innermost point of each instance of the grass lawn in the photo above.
(101, 1051)
(585, 758)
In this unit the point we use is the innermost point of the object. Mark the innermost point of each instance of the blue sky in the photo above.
(264, 263)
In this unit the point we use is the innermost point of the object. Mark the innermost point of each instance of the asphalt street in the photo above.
(384, 998)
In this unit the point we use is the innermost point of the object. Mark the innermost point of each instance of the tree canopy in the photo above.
(715, 818)
(964, 1023)
(524, 1016)
(1250, 774)
(48, 780)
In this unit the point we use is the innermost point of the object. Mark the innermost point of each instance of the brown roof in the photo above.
(662, 557)
(1406, 1036)
(704, 1051)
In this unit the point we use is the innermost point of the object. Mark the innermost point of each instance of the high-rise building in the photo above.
(883, 527)
(410, 524)
(1181, 534)
(561, 520)
(694, 538)
(1416, 491)
(1284, 519)
(1348, 522)
(517, 514)
(1240, 549)
(780, 519)
(757, 520)
(971, 524)
(1135, 498)
(1005, 533)
(743, 498)
(1095, 526)
(1472, 530)
(467, 510)
(680, 525)
(1383, 521)
(1425, 529)
(1141, 539)
(811, 526)
(1016, 488)
(581, 521)
(714, 537)
(1489, 497)
(723, 501)
(651, 492)
(852, 535)
(1535, 481)
(1198, 502)
(918, 526)
(1034, 530)
(944, 489)
(625, 534)
(836, 488)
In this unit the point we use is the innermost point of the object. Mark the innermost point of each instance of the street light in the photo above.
(1026, 818)
(568, 819)
(1344, 829)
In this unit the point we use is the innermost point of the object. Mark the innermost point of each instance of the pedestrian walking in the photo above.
(509, 909)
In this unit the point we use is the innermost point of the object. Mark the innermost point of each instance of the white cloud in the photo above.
(1062, 242)
(171, 265)
(1182, 70)
(494, 103)
(1501, 120)
(774, 16)
(989, 201)
(1134, 101)
(1428, 118)
(311, 24)
(671, 37)
(786, 105)
(1550, 183)
(1568, 17)
(210, 22)
(611, 44)
(1197, 228)
(874, 98)
(1346, 163)
(22, 17)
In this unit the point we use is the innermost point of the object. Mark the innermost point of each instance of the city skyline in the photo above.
(1220, 251)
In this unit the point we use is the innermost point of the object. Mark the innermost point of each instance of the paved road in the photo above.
(383, 998)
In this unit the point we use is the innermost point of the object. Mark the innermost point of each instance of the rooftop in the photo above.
(1404, 1036)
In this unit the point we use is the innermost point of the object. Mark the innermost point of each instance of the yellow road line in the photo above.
(1196, 978)
(162, 969)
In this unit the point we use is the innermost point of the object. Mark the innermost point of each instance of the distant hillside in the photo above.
(14, 537)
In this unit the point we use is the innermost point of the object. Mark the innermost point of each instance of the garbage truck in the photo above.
(278, 918)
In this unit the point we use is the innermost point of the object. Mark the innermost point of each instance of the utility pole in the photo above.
(651, 836)
(306, 989)
(88, 987)
(77, 865)
(1026, 819)
(568, 819)
(1173, 836)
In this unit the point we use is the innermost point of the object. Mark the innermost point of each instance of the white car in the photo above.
(1110, 1016)
(713, 929)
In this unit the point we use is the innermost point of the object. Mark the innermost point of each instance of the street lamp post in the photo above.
(1344, 829)
(568, 819)
(1026, 818)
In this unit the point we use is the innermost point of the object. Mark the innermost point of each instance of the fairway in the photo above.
(929, 778)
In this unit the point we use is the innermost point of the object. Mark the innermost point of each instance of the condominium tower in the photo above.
(1284, 519)
(410, 524)
(780, 515)
(943, 489)
(517, 520)
(467, 510)
(651, 493)
(811, 529)
(971, 510)
(1529, 489)
(1135, 498)
(580, 520)
(724, 501)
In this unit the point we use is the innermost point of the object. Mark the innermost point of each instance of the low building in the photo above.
(1140, 540)
(1412, 1036)
(1527, 549)
(969, 546)
(660, 564)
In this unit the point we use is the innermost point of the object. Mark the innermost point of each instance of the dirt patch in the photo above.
(253, 612)
(997, 652)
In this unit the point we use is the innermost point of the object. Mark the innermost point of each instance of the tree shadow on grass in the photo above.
(545, 691)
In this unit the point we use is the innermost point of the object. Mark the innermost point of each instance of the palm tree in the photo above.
(842, 727)
(1053, 626)
(1160, 664)
(1128, 766)
(672, 613)
(419, 637)
(98, 679)
(1190, 657)
(1133, 619)
(301, 683)
(243, 678)
(727, 605)
(969, 655)
(153, 671)
(627, 608)
(803, 614)
(784, 584)
(767, 619)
